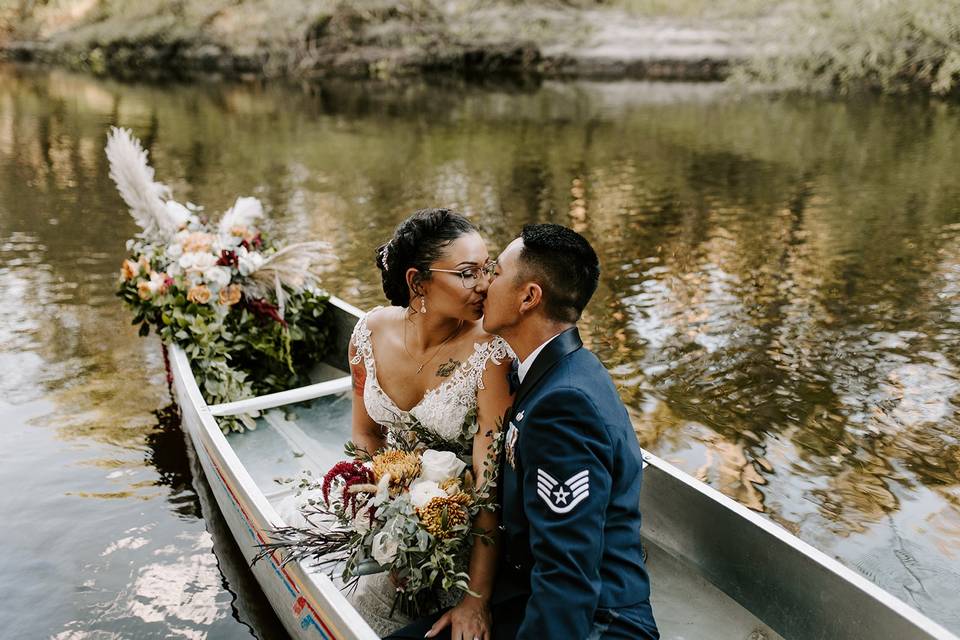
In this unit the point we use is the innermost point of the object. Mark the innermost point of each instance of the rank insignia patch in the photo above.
(562, 497)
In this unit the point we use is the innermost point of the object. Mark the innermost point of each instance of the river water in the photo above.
(780, 305)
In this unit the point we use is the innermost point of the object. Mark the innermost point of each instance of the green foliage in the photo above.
(845, 45)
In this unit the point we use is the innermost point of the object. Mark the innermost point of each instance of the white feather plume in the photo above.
(242, 214)
(134, 178)
(295, 267)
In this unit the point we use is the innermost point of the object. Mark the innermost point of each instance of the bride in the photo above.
(427, 357)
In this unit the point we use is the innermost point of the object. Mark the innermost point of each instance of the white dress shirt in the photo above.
(524, 366)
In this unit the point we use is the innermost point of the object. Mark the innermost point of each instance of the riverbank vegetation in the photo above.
(890, 46)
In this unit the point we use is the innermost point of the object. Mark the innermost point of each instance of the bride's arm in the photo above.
(365, 433)
(471, 618)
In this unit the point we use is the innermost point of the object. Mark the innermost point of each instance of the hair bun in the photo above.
(417, 243)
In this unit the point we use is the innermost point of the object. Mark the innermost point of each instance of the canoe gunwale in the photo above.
(281, 398)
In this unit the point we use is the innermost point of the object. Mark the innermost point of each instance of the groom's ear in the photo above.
(532, 294)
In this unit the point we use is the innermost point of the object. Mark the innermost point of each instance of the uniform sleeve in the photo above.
(566, 489)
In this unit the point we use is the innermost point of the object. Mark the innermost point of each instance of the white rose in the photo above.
(229, 241)
(385, 547)
(197, 261)
(217, 277)
(177, 214)
(440, 465)
(174, 252)
(423, 491)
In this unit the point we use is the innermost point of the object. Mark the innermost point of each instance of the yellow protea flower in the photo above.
(442, 515)
(401, 465)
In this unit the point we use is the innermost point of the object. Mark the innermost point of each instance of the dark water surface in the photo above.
(780, 305)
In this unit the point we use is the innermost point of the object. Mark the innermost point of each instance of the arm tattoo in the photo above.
(359, 372)
(447, 368)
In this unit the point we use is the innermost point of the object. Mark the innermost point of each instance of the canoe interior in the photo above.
(309, 436)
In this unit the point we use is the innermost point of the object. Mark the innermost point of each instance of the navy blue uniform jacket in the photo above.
(570, 490)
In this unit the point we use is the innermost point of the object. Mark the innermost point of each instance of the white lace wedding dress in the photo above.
(448, 411)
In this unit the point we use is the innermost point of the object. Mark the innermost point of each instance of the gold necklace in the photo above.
(437, 351)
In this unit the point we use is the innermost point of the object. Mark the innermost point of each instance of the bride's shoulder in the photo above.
(379, 318)
(493, 347)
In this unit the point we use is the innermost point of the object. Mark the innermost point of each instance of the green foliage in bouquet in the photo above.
(248, 314)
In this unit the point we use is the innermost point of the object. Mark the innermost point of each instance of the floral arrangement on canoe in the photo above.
(248, 313)
(407, 510)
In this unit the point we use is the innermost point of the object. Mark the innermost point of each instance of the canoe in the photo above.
(717, 569)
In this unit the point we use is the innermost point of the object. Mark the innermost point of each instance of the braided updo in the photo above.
(417, 242)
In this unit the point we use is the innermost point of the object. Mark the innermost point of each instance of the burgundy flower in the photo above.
(228, 259)
(264, 309)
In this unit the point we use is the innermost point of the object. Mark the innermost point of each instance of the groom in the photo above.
(572, 566)
(570, 482)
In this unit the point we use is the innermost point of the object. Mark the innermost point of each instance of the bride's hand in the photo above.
(469, 620)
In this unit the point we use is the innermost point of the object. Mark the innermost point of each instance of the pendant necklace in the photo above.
(438, 349)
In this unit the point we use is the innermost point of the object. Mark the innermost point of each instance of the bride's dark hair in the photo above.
(417, 242)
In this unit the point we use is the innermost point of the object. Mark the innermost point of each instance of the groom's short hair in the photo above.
(565, 266)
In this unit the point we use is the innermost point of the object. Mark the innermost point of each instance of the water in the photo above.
(780, 305)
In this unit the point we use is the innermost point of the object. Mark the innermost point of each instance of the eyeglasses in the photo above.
(471, 276)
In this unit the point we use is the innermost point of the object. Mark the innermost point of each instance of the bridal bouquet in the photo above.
(247, 312)
(408, 511)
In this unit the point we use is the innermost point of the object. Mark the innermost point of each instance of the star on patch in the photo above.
(519, 416)
(562, 497)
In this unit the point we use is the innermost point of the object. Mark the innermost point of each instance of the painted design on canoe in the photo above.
(300, 603)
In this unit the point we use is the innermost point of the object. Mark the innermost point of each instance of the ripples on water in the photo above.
(780, 304)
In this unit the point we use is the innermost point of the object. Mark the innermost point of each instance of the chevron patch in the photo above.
(562, 497)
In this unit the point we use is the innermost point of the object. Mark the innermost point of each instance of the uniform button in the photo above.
(502, 527)
(518, 566)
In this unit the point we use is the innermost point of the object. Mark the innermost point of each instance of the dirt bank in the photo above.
(369, 39)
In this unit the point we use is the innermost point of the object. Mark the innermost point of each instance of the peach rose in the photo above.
(129, 270)
(144, 290)
(200, 294)
(144, 264)
(230, 295)
(197, 242)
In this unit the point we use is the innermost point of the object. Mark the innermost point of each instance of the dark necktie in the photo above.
(513, 376)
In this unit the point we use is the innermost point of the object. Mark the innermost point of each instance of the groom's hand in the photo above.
(469, 620)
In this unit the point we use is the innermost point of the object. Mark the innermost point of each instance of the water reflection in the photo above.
(780, 303)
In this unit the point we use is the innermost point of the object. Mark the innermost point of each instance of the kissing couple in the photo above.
(489, 349)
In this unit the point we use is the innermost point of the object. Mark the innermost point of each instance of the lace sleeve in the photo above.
(360, 339)
(496, 350)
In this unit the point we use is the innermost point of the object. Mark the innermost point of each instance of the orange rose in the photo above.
(230, 295)
(200, 294)
(129, 269)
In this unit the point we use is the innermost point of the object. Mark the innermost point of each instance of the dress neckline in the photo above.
(461, 370)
